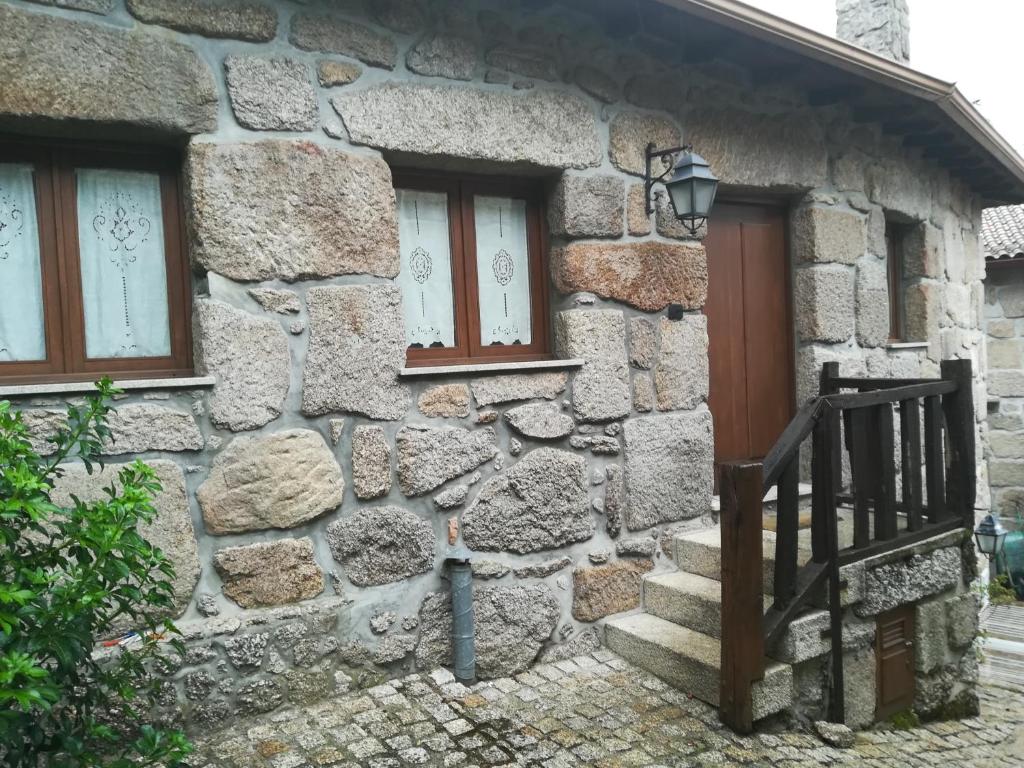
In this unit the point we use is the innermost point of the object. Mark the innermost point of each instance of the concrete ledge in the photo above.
(128, 385)
(511, 367)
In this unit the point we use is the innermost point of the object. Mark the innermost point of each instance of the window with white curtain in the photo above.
(92, 268)
(471, 276)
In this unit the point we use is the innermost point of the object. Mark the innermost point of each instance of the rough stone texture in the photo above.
(269, 573)
(923, 309)
(757, 149)
(394, 648)
(278, 481)
(67, 69)
(681, 378)
(598, 84)
(331, 74)
(929, 635)
(643, 393)
(528, 60)
(629, 135)
(371, 462)
(859, 687)
(606, 589)
(823, 300)
(510, 626)
(443, 56)
(835, 734)
(356, 349)
(171, 530)
(543, 569)
(445, 401)
(880, 26)
(452, 497)
(669, 462)
(139, 427)
(542, 421)
(648, 275)
(429, 457)
(249, 357)
(638, 223)
(380, 545)
(238, 19)
(587, 206)
(326, 33)
(524, 386)
(290, 210)
(643, 342)
(489, 569)
(1006, 473)
(923, 251)
(1005, 353)
(1006, 383)
(601, 388)
(828, 234)
(552, 129)
(587, 641)
(872, 300)
(906, 582)
(636, 547)
(282, 301)
(271, 94)
(89, 6)
(540, 503)
(962, 619)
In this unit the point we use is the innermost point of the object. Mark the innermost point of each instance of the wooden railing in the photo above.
(861, 424)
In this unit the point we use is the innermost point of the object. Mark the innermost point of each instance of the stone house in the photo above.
(243, 209)
(1002, 237)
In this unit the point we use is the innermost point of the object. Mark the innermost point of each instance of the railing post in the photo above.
(819, 534)
(958, 408)
(741, 493)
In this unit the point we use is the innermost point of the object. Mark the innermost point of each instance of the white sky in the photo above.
(976, 44)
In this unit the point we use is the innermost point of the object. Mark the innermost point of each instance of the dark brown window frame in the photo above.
(460, 189)
(896, 235)
(63, 308)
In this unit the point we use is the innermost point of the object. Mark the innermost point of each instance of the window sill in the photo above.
(128, 385)
(907, 345)
(510, 367)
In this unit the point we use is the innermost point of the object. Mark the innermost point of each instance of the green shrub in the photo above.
(1000, 591)
(69, 577)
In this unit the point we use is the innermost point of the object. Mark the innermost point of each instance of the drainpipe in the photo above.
(460, 572)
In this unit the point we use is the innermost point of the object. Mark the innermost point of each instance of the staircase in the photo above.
(677, 637)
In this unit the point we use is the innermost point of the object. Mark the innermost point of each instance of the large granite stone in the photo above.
(669, 468)
(872, 300)
(899, 583)
(600, 391)
(443, 56)
(823, 300)
(540, 503)
(269, 573)
(380, 545)
(681, 378)
(271, 94)
(541, 421)
(429, 456)
(521, 386)
(171, 529)
(371, 462)
(445, 401)
(89, 6)
(237, 19)
(587, 206)
(139, 427)
(606, 589)
(67, 69)
(249, 357)
(511, 625)
(356, 350)
(828, 234)
(631, 132)
(643, 342)
(648, 275)
(327, 33)
(551, 129)
(276, 481)
(290, 210)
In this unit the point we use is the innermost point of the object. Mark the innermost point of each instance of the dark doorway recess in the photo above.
(894, 656)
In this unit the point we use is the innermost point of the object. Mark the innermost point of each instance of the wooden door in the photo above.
(894, 658)
(749, 329)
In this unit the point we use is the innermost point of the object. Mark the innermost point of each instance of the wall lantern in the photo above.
(691, 188)
(991, 536)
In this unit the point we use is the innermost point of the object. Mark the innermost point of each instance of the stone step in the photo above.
(686, 599)
(691, 661)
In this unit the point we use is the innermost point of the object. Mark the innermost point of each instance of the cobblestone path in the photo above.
(595, 710)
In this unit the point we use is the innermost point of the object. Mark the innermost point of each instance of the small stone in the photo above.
(452, 497)
(597, 477)
(643, 342)
(332, 34)
(489, 569)
(429, 457)
(334, 73)
(199, 685)
(585, 643)
(381, 621)
(607, 589)
(237, 19)
(598, 505)
(335, 428)
(541, 421)
(394, 648)
(259, 696)
(597, 558)
(271, 94)
(643, 393)
(277, 300)
(409, 623)
(638, 221)
(296, 327)
(381, 545)
(499, 462)
(614, 500)
(206, 604)
(638, 547)
(443, 56)
(540, 570)
(835, 734)
(487, 417)
(445, 401)
(371, 462)
(246, 652)
(271, 573)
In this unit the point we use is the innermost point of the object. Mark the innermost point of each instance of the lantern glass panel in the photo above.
(704, 195)
(681, 194)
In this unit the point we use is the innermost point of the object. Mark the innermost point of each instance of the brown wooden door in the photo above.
(894, 657)
(749, 329)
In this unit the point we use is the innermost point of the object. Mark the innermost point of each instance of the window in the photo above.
(93, 279)
(472, 274)
(896, 235)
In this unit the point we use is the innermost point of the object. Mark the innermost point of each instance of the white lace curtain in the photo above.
(124, 276)
(22, 330)
(426, 272)
(503, 270)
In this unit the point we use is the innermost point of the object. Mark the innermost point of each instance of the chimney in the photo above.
(880, 26)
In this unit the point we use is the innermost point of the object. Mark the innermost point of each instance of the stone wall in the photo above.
(1004, 324)
(313, 471)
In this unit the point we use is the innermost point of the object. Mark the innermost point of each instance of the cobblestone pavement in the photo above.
(594, 710)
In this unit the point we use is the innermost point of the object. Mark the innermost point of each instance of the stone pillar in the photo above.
(880, 26)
